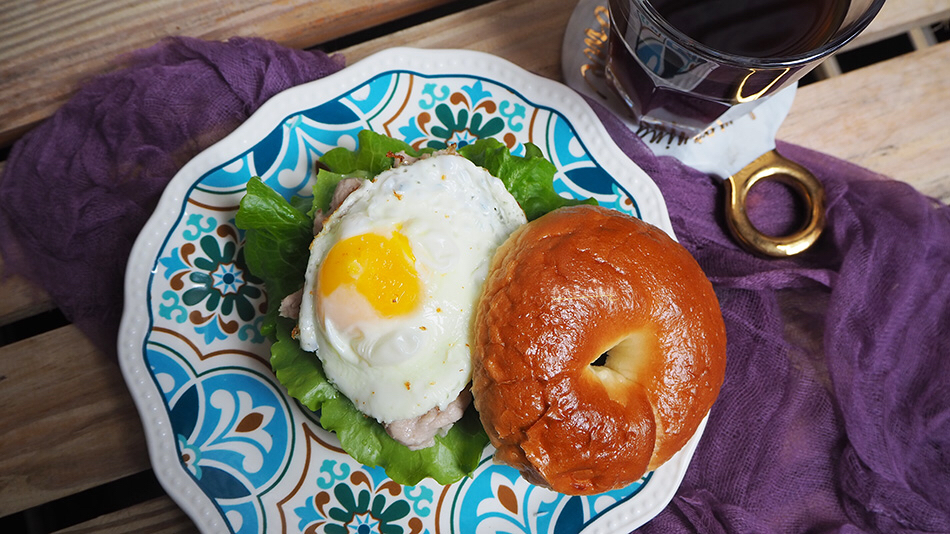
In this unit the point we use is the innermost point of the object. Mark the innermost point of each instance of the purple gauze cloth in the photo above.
(77, 189)
(835, 412)
(834, 415)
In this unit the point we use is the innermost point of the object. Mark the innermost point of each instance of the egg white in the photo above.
(454, 215)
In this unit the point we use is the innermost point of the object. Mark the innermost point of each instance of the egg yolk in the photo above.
(381, 269)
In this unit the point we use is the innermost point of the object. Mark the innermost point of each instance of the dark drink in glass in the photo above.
(684, 65)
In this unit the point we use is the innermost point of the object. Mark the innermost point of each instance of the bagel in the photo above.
(562, 291)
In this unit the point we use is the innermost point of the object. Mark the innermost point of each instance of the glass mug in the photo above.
(682, 66)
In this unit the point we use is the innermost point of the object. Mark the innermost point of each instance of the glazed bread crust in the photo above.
(563, 290)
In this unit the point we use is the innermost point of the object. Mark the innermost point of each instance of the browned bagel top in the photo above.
(565, 289)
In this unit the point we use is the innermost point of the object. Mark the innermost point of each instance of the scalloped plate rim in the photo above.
(431, 62)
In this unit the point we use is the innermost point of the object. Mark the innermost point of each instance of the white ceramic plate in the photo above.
(225, 440)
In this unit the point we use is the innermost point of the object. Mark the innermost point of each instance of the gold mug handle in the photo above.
(773, 166)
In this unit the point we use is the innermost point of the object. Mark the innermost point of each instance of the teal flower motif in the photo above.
(362, 525)
(228, 278)
(223, 280)
(461, 128)
(357, 515)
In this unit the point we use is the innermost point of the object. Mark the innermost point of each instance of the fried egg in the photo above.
(393, 279)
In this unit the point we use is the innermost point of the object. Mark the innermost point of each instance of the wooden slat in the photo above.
(21, 299)
(47, 48)
(534, 42)
(922, 37)
(525, 32)
(157, 516)
(891, 117)
(68, 422)
(899, 16)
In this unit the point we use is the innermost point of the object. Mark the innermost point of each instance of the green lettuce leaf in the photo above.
(277, 242)
(370, 155)
(324, 186)
(453, 456)
(530, 179)
(369, 159)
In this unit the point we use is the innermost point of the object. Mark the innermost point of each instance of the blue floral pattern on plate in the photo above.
(227, 442)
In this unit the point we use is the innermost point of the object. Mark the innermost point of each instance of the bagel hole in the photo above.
(625, 358)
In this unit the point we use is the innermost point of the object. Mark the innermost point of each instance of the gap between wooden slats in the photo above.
(157, 516)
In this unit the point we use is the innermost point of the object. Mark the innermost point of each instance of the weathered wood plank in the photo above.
(68, 420)
(525, 32)
(48, 48)
(21, 299)
(890, 117)
(901, 16)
